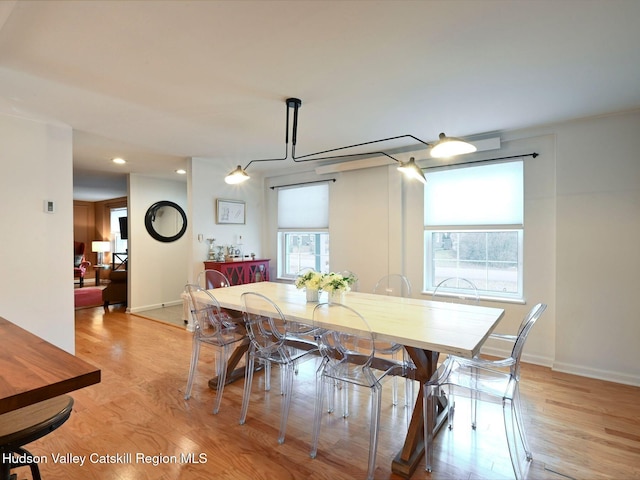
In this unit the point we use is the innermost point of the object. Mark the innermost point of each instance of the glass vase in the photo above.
(312, 295)
(336, 296)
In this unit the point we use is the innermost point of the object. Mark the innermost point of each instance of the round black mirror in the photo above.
(165, 221)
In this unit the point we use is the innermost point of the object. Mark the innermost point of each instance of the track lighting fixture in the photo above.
(445, 147)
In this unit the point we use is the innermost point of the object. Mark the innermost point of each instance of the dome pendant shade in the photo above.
(412, 170)
(450, 146)
(236, 176)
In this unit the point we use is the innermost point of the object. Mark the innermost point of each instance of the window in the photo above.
(473, 228)
(119, 243)
(303, 229)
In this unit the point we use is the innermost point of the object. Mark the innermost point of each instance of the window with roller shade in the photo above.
(303, 229)
(474, 227)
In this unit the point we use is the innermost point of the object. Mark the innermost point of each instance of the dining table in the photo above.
(33, 370)
(426, 328)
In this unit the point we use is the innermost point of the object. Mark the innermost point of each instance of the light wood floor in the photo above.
(578, 428)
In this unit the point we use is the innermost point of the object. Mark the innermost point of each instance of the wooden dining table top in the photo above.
(33, 370)
(429, 325)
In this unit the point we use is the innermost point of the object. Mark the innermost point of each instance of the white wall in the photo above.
(158, 271)
(598, 205)
(36, 248)
(206, 184)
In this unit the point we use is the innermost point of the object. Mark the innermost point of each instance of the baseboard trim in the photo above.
(609, 376)
(154, 306)
(563, 367)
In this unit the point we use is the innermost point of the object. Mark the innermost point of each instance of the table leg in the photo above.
(233, 373)
(406, 461)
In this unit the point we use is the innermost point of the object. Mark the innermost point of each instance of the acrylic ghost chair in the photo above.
(297, 329)
(492, 380)
(270, 343)
(210, 279)
(349, 359)
(214, 327)
(463, 291)
(395, 285)
(456, 290)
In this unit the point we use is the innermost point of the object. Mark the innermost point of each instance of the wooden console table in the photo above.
(242, 272)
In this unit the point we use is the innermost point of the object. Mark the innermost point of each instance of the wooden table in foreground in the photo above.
(33, 370)
(426, 328)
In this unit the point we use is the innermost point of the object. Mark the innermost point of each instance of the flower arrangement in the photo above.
(310, 280)
(334, 282)
(350, 277)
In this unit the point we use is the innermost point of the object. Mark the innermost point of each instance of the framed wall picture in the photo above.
(230, 211)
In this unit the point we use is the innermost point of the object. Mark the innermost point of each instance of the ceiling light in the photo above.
(181, 171)
(119, 160)
(450, 147)
(236, 176)
(239, 175)
(412, 170)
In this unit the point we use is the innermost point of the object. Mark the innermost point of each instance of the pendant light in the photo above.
(450, 147)
(411, 170)
(237, 176)
(445, 147)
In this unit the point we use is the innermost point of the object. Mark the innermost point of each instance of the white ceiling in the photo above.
(160, 81)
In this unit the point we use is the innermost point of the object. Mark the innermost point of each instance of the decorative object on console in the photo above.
(212, 253)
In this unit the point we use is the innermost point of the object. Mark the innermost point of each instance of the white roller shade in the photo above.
(304, 207)
(480, 195)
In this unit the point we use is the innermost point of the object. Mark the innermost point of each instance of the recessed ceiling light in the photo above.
(119, 160)
(181, 171)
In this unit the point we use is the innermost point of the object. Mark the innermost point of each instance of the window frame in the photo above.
(282, 244)
(430, 284)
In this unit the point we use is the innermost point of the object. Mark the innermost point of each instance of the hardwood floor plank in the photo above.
(578, 428)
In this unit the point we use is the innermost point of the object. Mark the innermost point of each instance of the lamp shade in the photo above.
(100, 246)
(412, 170)
(236, 176)
(450, 147)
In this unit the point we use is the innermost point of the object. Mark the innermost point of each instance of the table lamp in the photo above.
(100, 247)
